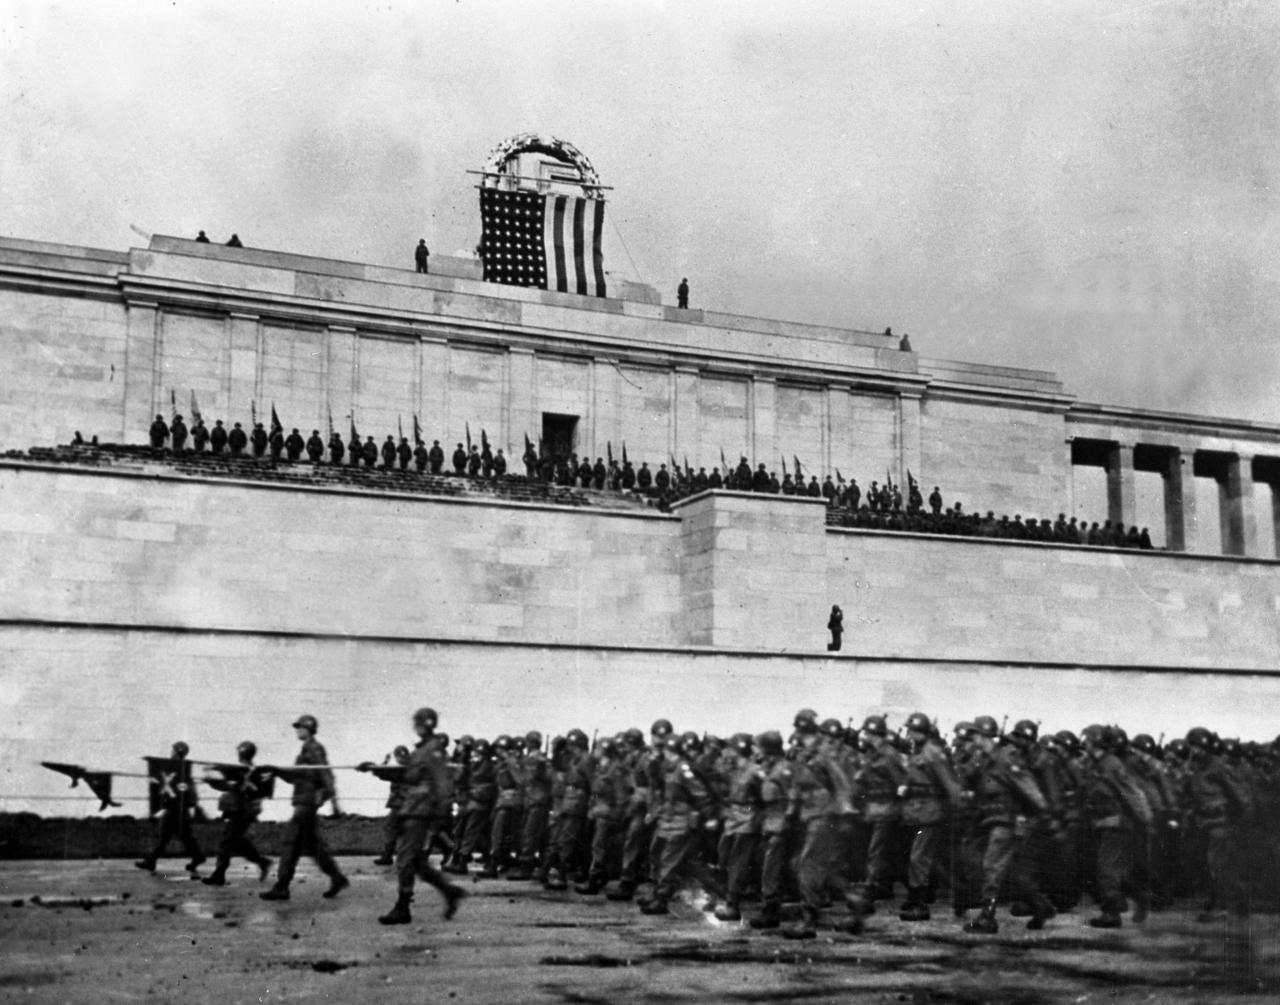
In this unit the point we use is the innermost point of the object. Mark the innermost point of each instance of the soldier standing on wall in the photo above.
(178, 431)
(404, 453)
(421, 254)
(459, 461)
(237, 440)
(421, 457)
(315, 447)
(276, 442)
(369, 452)
(682, 294)
(312, 787)
(199, 436)
(436, 457)
(159, 432)
(218, 437)
(294, 445)
(336, 448)
(835, 625)
(259, 439)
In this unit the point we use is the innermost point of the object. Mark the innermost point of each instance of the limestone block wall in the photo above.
(926, 597)
(184, 554)
(993, 457)
(107, 697)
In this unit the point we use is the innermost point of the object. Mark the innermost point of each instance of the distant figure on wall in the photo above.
(904, 345)
(234, 242)
(835, 625)
(682, 294)
(202, 238)
(420, 255)
(179, 433)
(159, 432)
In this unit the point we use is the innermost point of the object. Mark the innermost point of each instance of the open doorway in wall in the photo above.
(559, 433)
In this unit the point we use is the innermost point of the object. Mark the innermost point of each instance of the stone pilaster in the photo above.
(685, 437)
(142, 354)
(433, 388)
(1235, 507)
(522, 416)
(763, 404)
(244, 340)
(909, 446)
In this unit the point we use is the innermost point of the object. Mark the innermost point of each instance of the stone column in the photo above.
(521, 401)
(909, 449)
(604, 409)
(685, 438)
(1275, 517)
(340, 377)
(764, 422)
(244, 336)
(1235, 507)
(1120, 485)
(141, 355)
(1180, 502)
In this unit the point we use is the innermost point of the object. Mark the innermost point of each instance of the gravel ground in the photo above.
(101, 931)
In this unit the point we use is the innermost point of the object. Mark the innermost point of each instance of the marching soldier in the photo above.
(575, 763)
(312, 787)
(775, 800)
(1217, 801)
(177, 800)
(931, 789)
(425, 776)
(1113, 802)
(744, 806)
(880, 777)
(504, 831)
(610, 792)
(240, 804)
(637, 838)
(395, 800)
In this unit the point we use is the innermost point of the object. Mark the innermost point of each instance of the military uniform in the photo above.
(929, 793)
(240, 804)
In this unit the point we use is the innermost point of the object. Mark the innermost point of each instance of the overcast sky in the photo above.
(1087, 186)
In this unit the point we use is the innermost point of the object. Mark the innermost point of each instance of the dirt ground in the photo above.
(102, 931)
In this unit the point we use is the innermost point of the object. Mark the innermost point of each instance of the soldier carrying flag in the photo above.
(173, 798)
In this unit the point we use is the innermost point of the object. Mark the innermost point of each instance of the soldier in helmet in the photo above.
(930, 793)
(685, 800)
(743, 809)
(535, 785)
(177, 801)
(313, 786)
(505, 822)
(775, 803)
(395, 800)
(882, 774)
(426, 779)
(820, 794)
(482, 794)
(610, 793)
(575, 763)
(243, 788)
(1218, 802)
(639, 839)
(1007, 800)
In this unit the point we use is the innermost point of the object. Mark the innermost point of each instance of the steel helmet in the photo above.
(918, 722)
(875, 725)
(741, 742)
(806, 721)
(770, 742)
(426, 717)
(180, 749)
(533, 740)
(831, 728)
(987, 726)
(1025, 729)
(690, 743)
(577, 738)
(661, 727)
(634, 737)
(247, 748)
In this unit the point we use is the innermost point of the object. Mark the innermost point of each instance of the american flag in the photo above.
(553, 242)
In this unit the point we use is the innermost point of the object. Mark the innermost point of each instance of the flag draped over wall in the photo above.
(553, 242)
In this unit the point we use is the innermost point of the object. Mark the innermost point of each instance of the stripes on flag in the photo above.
(553, 242)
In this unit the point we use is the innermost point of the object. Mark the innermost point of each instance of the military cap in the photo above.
(965, 727)
(401, 753)
(1177, 747)
(609, 747)
(307, 722)
(1119, 739)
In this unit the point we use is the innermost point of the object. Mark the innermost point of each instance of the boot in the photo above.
(399, 914)
(277, 892)
(1041, 911)
(384, 860)
(337, 884)
(146, 864)
(623, 891)
(590, 888)
(728, 912)
(656, 905)
(264, 869)
(556, 881)
(456, 867)
(769, 916)
(805, 928)
(915, 909)
(1107, 919)
(985, 922)
(452, 897)
(215, 878)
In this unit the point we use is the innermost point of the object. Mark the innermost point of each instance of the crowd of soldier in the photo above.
(882, 507)
(833, 818)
